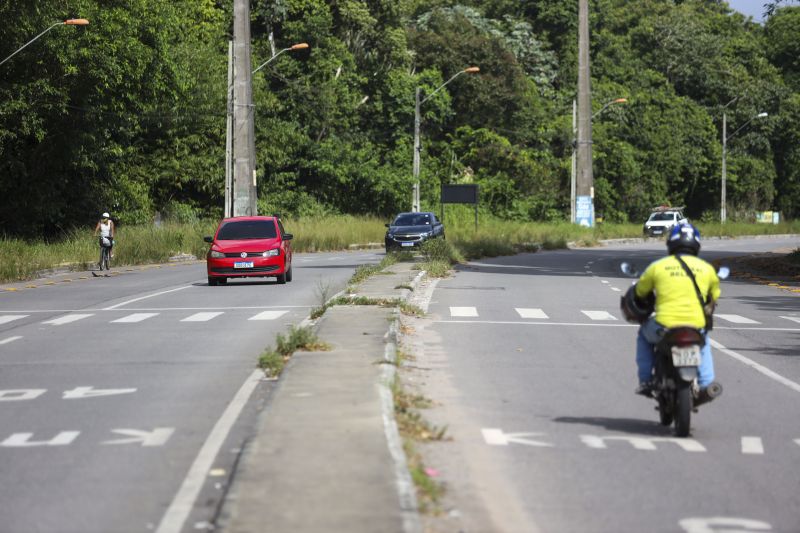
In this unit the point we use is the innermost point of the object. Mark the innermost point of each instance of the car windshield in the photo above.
(412, 219)
(247, 229)
(658, 217)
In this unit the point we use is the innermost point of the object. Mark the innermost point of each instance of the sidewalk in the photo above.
(327, 456)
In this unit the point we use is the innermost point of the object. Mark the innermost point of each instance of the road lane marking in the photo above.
(599, 315)
(90, 392)
(641, 443)
(616, 289)
(66, 319)
(157, 437)
(736, 319)
(463, 312)
(5, 319)
(760, 368)
(752, 446)
(201, 317)
(792, 318)
(23, 440)
(268, 315)
(10, 340)
(20, 395)
(181, 506)
(134, 318)
(717, 523)
(531, 313)
(146, 297)
(593, 325)
(496, 437)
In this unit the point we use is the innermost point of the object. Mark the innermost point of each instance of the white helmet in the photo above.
(105, 215)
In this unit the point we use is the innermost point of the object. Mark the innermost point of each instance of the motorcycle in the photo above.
(675, 372)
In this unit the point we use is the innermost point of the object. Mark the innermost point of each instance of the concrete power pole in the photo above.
(244, 154)
(585, 181)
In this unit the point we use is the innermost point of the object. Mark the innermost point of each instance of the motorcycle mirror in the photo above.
(723, 272)
(628, 269)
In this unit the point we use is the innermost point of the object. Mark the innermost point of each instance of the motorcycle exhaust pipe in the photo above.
(709, 393)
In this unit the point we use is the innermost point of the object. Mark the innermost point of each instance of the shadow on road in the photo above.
(623, 425)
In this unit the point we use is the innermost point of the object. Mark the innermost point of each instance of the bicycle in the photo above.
(105, 253)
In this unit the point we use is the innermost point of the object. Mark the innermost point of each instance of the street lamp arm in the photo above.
(298, 46)
(612, 102)
(760, 115)
(470, 70)
(32, 40)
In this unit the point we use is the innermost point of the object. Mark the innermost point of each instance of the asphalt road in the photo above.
(124, 401)
(531, 367)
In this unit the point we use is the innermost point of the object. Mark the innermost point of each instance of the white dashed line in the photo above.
(752, 446)
(5, 319)
(599, 315)
(736, 319)
(66, 319)
(463, 311)
(531, 313)
(135, 317)
(201, 317)
(792, 318)
(10, 340)
(268, 315)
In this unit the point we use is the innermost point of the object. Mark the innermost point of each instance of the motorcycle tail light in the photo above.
(686, 337)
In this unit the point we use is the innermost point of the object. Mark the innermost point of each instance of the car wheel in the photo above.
(222, 281)
(212, 282)
(289, 274)
(281, 278)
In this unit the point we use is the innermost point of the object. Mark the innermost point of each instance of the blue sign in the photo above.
(584, 211)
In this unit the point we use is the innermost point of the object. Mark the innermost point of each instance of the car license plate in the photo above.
(406, 244)
(243, 264)
(657, 232)
(686, 356)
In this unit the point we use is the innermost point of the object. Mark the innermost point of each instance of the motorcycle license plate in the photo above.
(406, 244)
(686, 356)
(243, 264)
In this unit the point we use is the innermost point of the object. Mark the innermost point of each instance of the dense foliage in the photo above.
(128, 113)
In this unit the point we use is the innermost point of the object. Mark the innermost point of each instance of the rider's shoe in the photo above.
(707, 394)
(645, 388)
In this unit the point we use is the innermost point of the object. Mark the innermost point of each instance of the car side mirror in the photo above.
(387, 225)
(288, 236)
(209, 240)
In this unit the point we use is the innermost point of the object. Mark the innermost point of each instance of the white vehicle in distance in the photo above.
(663, 219)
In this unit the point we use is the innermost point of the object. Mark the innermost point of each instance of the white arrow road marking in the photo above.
(752, 364)
(792, 318)
(752, 446)
(268, 315)
(66, 319)
(157, 437)
(736, 319)
(201, 317)
(22, 440)
(496, 437)
(181, 506)
(532, 313)
(730, 525)
(10, 340)
(641, 443)
(135, 317)
(463, 311)
(599, 315)
(91, 392)
(5, 319)
(16, 395)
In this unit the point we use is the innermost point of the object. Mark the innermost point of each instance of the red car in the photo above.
(249, 247)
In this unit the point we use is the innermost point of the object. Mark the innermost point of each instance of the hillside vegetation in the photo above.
(127, 114)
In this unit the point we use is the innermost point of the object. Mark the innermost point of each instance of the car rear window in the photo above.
(412, 219)
(247, 229)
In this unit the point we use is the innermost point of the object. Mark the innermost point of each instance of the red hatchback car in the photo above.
(249, 247)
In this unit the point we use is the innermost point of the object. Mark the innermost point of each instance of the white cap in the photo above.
(105, 215)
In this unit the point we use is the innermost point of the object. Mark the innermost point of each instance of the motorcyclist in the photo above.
(666, 288)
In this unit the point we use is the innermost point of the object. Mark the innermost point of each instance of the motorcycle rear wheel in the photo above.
(683, 409)
(664, 414)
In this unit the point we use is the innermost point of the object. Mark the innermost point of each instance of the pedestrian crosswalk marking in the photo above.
(5, 319)
(736, 319)
(792, 318)
(464, 311)
(135, 317)
(268, 315)
(201, 317)
(66, 319)
(531, 313)
(599, 315)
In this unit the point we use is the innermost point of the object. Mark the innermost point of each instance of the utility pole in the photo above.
(585, 180)
(723, 211)
(229, 136)
(244, 159)
(417, 148)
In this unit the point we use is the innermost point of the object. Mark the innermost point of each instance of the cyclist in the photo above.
(676, 304)
(105, 228)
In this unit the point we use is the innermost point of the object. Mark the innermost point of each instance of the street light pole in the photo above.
(585, 181)
(244, 160)
(415, 196)
(68, 22)
(723, 209)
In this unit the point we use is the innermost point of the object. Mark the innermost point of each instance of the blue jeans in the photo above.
(649, 334)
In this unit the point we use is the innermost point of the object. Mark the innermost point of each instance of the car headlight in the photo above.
(217, 255)
(272, 253)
